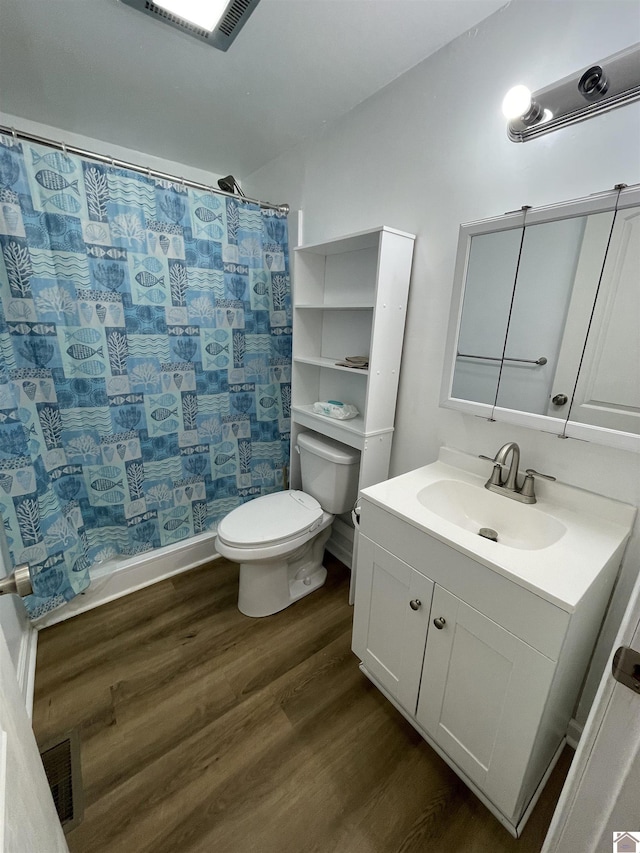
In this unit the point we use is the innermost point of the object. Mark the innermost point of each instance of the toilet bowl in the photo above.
(279, 538)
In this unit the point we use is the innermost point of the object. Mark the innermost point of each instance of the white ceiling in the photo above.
(104, 70)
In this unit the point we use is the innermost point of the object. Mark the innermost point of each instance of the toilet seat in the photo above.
(271, 520)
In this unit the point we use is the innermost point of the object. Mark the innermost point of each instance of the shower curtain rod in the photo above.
(122, 164)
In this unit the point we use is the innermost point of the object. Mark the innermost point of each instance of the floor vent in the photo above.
(61, 761)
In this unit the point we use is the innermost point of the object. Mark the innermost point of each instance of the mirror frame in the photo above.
(566, 428)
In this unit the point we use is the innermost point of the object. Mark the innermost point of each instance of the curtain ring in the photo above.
(64, 147)
(13, 133)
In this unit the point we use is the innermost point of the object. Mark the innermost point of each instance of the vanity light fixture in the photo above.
(216, 22)
(610, 83)
(518, 104)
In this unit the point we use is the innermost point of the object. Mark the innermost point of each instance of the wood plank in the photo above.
(202, 729)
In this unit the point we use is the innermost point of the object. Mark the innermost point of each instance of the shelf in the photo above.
(353, 242)
(317, 306)
(355, 425)
(350, 298)
(329, 363)
(349, 432)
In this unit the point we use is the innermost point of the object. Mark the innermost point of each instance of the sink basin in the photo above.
(557, 547)
(473, 507)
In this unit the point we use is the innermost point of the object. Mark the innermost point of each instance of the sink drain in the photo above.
(488, 533)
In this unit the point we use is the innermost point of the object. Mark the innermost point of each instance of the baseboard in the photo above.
(574, 733)
(338, 550)
(26, 668)
(340, 543)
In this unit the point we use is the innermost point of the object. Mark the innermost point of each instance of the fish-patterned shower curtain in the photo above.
(145, 362)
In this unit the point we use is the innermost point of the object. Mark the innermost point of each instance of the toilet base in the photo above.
(267, 587)
(300, 588)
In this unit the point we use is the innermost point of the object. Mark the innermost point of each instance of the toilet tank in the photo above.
(329, 471)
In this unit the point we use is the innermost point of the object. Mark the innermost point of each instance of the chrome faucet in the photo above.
(501, 457)
(508, 486)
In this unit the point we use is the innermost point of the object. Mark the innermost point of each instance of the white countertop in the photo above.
(596, 528)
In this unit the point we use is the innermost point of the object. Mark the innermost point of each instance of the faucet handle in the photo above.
(496, 474)
(533, 473)
(491, 459)
(528, 489)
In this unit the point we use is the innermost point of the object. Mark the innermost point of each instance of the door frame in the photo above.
(573, 820)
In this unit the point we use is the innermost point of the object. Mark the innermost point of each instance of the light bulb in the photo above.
(517, 102)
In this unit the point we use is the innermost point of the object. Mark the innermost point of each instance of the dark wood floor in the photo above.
(204, 730)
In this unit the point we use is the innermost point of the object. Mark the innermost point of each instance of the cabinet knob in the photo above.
(415, 604)
(439, 622)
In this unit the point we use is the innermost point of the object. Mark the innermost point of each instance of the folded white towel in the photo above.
(336, 409)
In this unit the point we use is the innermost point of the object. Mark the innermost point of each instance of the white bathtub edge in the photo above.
(125, 576)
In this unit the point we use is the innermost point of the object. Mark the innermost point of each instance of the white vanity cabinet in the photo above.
(482, 697)
(391, 634)
(484, 668)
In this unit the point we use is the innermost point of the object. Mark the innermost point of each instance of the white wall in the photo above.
(107, 149)
(429, 152)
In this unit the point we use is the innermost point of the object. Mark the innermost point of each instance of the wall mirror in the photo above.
(545, 319)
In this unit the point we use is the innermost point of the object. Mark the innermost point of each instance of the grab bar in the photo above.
(542, 360)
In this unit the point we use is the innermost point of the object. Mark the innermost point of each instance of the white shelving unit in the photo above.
(350, 298)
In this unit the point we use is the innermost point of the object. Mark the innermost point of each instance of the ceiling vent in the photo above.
(222, 36)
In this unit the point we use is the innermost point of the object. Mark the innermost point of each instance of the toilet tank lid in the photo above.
(329, 449)
(270, 519)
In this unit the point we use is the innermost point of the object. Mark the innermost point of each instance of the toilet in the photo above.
(279, 538)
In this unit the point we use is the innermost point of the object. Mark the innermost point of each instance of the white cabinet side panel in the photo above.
(394, 273)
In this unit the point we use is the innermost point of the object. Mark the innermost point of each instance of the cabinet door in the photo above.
(482, 695)
(388, 634)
